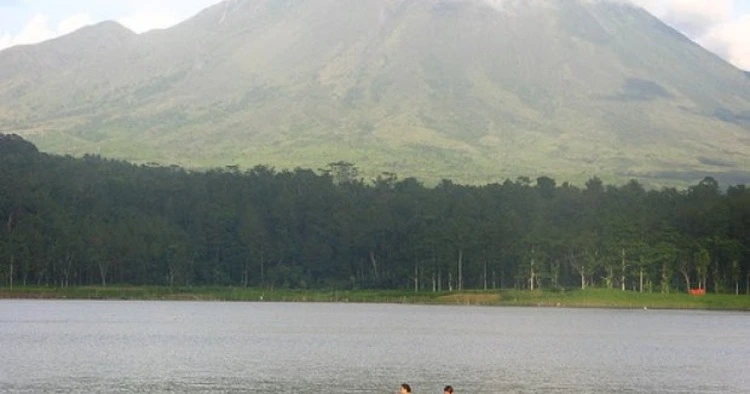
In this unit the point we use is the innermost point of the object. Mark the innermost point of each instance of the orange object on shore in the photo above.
(697, 292)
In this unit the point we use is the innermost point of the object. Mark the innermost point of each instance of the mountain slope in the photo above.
(469, 89)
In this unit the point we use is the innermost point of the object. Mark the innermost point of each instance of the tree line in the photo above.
(93, 221)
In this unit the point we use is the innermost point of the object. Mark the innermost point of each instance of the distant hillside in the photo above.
(475, 90)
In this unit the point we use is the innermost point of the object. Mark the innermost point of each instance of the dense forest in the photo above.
(92, 221)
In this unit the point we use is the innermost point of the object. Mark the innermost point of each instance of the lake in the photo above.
(202, 347)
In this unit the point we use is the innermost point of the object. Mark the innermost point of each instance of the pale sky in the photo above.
(722, 26)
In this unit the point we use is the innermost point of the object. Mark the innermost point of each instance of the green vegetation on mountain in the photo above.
(92, 221)
(472, 90)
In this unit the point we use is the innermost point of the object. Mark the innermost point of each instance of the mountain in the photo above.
(475, 90)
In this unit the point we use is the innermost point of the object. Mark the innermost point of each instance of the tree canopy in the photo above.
(80, 221)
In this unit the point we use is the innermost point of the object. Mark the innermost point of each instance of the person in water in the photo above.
(448, 390)
(405, 389)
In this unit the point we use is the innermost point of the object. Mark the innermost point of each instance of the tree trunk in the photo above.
(583, 278)
(374, 263)
(555, 268)
(579, 267)
(171, 274)
(434, 283)
(103, 273)
(440, 280)
(715, 275)
(686, 276)
(640, 280)
(485, 275)
(460, 284)
(66, 270)
(188, 272)
(450, 281)
(494, 280)
(416, 277)
(622, 271)
(421, 275)
(665, 278)
(532, 274)
(64, 280)
(10, 276)
(262, 266)
(10, 234)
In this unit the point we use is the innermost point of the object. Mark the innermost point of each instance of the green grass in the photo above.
(590, 298)
(603, 298)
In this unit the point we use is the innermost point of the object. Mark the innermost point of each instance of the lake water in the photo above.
(202, 347)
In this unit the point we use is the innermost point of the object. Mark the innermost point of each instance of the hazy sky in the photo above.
(723, 26)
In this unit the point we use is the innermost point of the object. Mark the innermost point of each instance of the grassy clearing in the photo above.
(590, 298)
(215, 294)
(603, 298)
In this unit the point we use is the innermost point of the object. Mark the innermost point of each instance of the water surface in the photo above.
(202, 347)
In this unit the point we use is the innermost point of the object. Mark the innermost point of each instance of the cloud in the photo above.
(41, 16)
(146, 15)
(731, 40)
(715, 24)
(73, 23)
(38, 29)
(5, 41)
(694, 17)
(144, 21)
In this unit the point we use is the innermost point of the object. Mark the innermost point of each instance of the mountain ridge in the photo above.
(454, 89)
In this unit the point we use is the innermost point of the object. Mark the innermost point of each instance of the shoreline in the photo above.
(589, 298)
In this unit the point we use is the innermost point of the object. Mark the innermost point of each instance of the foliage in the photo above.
(432, 89)
(94, 221)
